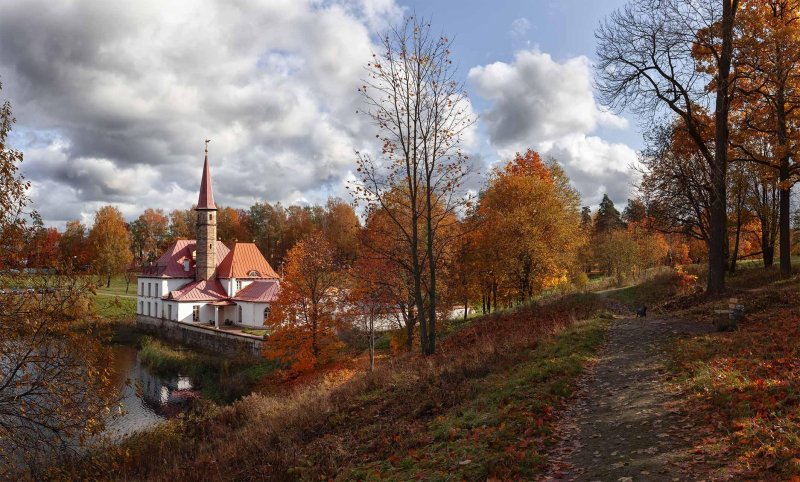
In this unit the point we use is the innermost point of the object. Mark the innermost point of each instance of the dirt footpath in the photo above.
(621, 425)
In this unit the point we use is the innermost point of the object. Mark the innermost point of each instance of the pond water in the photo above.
(145, 399)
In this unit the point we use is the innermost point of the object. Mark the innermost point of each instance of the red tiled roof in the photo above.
(202, 290)
(170, 264)
(261, 291)
(206, 199)
(245, 261)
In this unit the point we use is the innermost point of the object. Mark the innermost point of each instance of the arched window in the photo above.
(254, 274)
(266, 313)
(240, 314)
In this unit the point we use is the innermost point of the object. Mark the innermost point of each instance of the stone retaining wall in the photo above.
(199, 336)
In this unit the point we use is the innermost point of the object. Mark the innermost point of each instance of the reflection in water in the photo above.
(145, 398)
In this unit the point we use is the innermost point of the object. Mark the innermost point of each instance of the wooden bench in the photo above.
(727, 320)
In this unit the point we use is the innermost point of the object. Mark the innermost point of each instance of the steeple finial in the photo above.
(207, 141)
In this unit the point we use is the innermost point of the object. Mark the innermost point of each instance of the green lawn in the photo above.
(758, 262)
(115, 308)
(117, 286)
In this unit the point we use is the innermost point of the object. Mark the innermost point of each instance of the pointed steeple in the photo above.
(206, 199)
(206, 264)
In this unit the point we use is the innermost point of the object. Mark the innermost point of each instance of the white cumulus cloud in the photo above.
(540, 103)
(114, 98)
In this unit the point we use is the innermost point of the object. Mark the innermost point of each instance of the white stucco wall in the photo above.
(252, 314)
(230, 285)
(228, 313)
(184, 312)
(150, 290)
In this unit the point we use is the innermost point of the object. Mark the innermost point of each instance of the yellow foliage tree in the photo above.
(110, 243)
(529, 220)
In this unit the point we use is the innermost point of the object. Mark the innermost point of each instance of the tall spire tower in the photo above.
(206, 263)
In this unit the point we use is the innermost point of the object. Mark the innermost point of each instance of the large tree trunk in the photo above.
(784, 223)
(718, 236)
(371, 342)
(736, 239)
(785, 243)
(784, 216)
(494, 294)
(421, 314)
(768, 254)
(411, 321)
(432, 298)
(314, 329)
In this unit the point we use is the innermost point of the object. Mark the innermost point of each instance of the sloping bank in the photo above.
(483, 406)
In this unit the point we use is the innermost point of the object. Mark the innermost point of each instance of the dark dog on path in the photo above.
(641, 312)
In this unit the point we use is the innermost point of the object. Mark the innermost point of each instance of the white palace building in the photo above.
(203, 282)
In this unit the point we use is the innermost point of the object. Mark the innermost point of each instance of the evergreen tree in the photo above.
(607, 217)
(635, 211)
(586, 218)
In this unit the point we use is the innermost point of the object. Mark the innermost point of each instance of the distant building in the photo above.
(203, 281)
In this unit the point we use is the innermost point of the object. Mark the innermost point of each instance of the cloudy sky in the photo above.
(114, 98)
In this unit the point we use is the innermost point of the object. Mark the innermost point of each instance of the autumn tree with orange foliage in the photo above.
(372, 297)
(302, 321)
(149, 235)
(232, 226)
(529, 218)
(766, 116)
(55, 390)
(341, 227)
(73, 248)
(182, 224)
(43, 247)
(461, 264)
(383, 241)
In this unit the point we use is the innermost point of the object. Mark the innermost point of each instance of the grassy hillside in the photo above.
(483, 406)
(744, 386)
